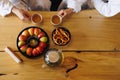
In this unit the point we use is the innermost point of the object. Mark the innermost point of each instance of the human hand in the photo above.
(65, 12)
(22, 14)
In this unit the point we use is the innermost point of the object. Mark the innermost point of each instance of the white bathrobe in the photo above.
(107, 9)
(44, 5)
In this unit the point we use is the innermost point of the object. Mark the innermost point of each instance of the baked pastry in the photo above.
(61, 36)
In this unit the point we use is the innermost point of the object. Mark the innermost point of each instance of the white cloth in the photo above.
(107, 9)
(45, 4)
(19, 4)
(6, 6)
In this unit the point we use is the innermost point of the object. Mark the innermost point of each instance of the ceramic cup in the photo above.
(36, 18)
(56, 19)
(53, 57)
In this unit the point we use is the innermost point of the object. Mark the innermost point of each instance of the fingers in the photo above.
(65, 12)
(62, 13)
(22, 14)
(26, 16)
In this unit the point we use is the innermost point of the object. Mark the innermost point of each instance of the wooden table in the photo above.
(93, 50)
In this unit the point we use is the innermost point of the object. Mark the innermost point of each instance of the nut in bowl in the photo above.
(61, 36)
(36, 18)
(32, 42)
(56, 19)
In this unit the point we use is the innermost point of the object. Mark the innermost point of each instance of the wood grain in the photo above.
(91, 66)
(89, 30)
(96, 37)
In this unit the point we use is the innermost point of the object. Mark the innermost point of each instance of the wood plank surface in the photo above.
(89, 30)
(91, 66)
(95, 36)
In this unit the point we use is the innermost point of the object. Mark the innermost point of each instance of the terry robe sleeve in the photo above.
(5, 7)
(111, 8)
